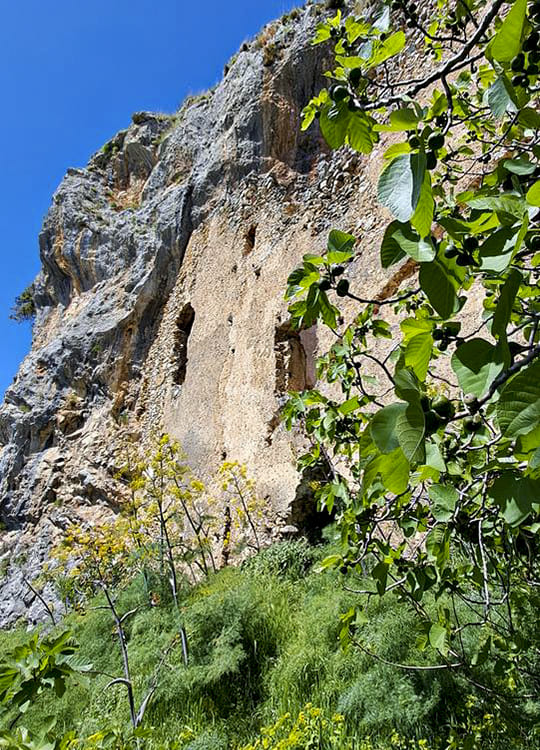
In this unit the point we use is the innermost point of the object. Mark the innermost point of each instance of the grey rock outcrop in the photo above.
(199, 216)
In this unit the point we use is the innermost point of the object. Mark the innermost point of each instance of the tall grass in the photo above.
(263, 640)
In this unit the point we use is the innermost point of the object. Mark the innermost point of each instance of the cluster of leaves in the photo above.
(25, 306)
(263, 641)
(291, 559)
(169, 525)
(245, 512)
(168, 509)
(169, 504)
(433, 451)
(37, 666)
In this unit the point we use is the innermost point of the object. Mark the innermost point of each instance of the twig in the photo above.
(414, 667)
(41, 599)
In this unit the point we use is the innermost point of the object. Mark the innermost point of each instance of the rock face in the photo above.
(160, 299)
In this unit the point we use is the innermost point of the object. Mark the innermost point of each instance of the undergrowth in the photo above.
(264, 652)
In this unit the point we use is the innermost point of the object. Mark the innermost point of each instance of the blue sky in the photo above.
(71, 74)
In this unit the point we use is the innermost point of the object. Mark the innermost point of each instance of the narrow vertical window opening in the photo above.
(249, 239)
(184, 324)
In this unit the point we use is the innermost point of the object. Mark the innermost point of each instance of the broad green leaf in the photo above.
(388, 48)
(440, 103)
(417, 354)
(509, 204)
(383, 427)
(438, 287)
(434, 457)
(400, 119)
(330, 562)
(529, 442)
(400, 184)
(412, 327)
(316, 260)
(506, 43)
(500, 97)
(356, 28)
(328, 311)
(533, 194)
(322, 33)
(399, 239)
(410, 428)
(518, 408)
(314, 106)
(396, 149)
(360, 133)
(444, 499)
(496, 252)
(393, 469)
(529, 118)
(404, 119)
(437, 638)
(528, 449)
(340, 246)
(391, 250)
(308, 116)
(422, 218)
(534, 461)
(349, 61)
(349, 406)
(380, 575)
(516, 496)
(520, 166)
(457, 229)
(334, 122)
(406, 385)
(476, 364)
(503, 311)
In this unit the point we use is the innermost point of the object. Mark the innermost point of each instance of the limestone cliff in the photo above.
(160, 299)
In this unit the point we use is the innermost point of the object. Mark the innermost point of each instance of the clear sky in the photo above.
(71, 74)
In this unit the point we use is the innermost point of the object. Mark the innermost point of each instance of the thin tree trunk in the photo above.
(125, 656)
(41, 599)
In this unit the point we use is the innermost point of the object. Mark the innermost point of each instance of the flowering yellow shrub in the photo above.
(310, 729)
(314, 730)
(245, 513)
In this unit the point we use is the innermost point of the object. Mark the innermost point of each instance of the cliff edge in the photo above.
(160, 298)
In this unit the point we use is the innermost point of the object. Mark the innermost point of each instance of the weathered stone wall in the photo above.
(160, 299)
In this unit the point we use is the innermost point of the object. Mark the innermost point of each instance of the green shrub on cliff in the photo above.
(24, 307)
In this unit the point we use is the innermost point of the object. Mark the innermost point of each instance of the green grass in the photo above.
(263, 641)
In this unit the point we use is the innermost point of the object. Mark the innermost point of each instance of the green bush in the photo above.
(25, 306)
(289, 559)
(264, 641)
